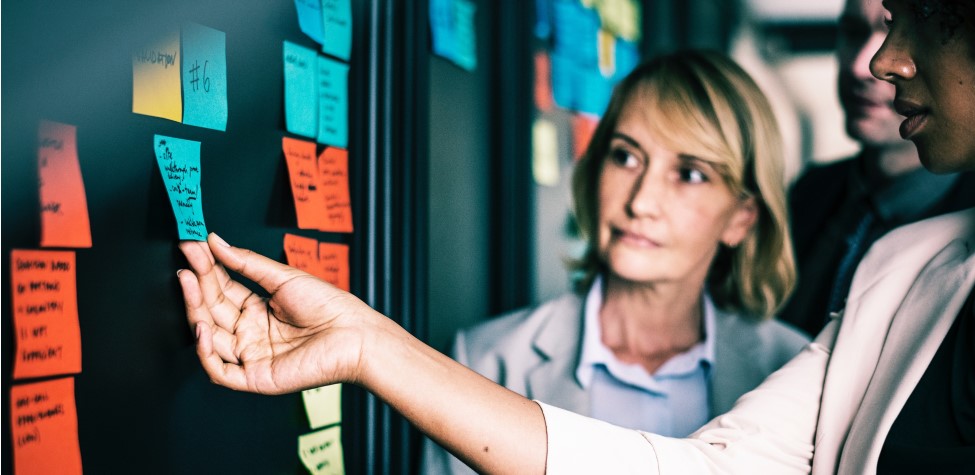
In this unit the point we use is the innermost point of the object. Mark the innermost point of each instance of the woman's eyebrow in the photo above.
(626, 138)
(695, 160)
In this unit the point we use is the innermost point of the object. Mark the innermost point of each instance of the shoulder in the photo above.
(769, 336)
(817, 177)
(911, 246)
(513, 333)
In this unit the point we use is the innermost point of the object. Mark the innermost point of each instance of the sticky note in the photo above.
(333, 172)
(305, 183)
(300, 90)
(627, 58)
(323, 405)
(598, 90)
(333, 102)
(179, 163)
(606, 47)
(45, 302)
(337, 25)
(44, 427)
(564, 82)
(155, 79)
(302, 253)
(310, 18)
(321, 451)
(333, 259)
(454, 32)
(583, 127)
(621, 18)
(543, 19)
(465, 34)
(64, 205)
(545, 153)
(204, 77)
(543, 82)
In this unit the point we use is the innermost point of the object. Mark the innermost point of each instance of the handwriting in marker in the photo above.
(64, 206)
(179, 164)
(44, 427)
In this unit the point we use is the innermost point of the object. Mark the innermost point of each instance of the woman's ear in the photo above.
(741, 223)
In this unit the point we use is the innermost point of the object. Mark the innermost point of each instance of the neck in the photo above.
(649, 324)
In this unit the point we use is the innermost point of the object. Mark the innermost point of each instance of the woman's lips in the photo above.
(634, 239)
(916, 117)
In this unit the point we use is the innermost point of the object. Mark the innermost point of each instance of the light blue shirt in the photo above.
(673, 401)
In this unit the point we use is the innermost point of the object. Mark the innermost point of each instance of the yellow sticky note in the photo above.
(321, 451)
(323, 405)
(545, 153)
(156, 87)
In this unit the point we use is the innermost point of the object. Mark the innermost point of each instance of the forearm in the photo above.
(492, 429)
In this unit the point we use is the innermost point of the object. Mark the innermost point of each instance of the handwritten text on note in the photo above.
(44, 427)
(321, 451)
(64, 206)
(45, 302)
(179, 163)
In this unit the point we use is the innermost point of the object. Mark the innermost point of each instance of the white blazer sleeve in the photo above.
(769, 430)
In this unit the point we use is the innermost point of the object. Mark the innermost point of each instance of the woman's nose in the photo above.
(892, 61)
(646, 196)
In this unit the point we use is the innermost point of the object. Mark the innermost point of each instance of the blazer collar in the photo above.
(557, 343)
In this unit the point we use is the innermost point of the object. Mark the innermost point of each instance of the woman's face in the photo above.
(662, 213)
(935, 84)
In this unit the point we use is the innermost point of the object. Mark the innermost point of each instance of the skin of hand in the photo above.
(307, 333)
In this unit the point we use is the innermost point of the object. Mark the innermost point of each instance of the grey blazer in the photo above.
(535, 352)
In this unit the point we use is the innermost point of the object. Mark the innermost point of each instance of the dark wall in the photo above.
(144, 404)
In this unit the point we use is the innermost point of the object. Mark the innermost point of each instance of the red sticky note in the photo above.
(305, 183)
(64, 206)
(543, 82)
(334, 261)
(333, 172)
(302, 253)
(45, 302)
(44, 426)
(583, 128)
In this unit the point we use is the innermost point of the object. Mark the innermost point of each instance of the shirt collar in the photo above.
(594, 353)
(904, 197)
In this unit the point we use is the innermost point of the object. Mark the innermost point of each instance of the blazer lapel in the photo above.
(735, 359)
(928, 310)
(559, 342)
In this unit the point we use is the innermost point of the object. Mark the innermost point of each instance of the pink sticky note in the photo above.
(64, 207)
(44, 427)
(333, 173)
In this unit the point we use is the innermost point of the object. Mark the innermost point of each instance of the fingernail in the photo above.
(177, 273)
(219, 240)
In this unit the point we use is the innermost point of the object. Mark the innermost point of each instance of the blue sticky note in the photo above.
(300, 90)
(333, 102)
(310, 18)
(627, 58)
(204, 77)
(543, 19)
(179, 164)
(564, 80)
(465, 31)
(337, 21)
(454, 31)
(441, 27)
(596, 91)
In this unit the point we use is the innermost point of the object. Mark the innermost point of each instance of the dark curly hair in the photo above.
(950, 15)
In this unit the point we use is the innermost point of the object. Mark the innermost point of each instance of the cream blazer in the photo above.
(535, 352)
(828, 410)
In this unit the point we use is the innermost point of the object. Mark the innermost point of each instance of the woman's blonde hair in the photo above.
(706, 105)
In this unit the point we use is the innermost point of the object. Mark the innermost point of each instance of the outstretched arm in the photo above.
(308, 333)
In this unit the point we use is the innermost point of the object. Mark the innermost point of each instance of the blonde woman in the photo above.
(681, 199)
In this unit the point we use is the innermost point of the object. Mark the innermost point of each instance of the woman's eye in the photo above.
(692, 175)
(624, 158)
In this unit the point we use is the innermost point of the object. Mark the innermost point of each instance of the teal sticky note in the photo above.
(310, 18)
(337, 21)
(465, 31)
(333, 102)
(204, 77)
(179, 164)
(300, 90)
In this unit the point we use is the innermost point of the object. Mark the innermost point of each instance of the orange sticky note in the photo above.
(543, 82)
(583, 128)
(303, 170)
(302, 253)
(64, 206)
(44, 426)
(333, 172)
(45, 313)
(334, 262)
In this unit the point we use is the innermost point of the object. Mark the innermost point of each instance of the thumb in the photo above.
(266, 272)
